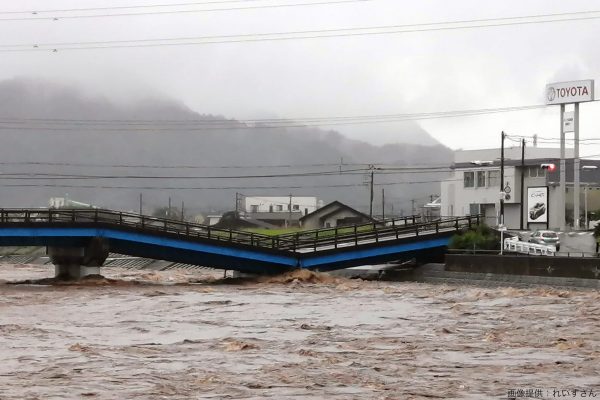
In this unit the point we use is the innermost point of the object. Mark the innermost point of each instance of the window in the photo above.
(493, 178)
(296, 207)
(469, 179)
(254, 208)
(480, 178)
(279, 207)
(536, 172)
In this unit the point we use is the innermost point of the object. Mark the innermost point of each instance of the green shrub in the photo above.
(480, 238)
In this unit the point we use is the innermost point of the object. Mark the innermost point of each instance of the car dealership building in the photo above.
(473, 187)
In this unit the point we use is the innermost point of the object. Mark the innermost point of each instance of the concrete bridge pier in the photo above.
(74, 263)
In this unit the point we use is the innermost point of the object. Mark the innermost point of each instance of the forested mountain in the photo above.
(94, 143)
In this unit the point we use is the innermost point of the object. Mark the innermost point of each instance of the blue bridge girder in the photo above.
(182, 242)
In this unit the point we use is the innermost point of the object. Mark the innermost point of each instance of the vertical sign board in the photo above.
(537, 204)
(569, 122)
(563, 93)
(570, 92)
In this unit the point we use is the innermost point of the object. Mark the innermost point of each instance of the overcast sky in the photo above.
(357, 75)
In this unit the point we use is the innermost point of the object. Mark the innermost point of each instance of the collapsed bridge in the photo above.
(80, 238)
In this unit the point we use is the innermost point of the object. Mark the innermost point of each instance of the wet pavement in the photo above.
(155, 335)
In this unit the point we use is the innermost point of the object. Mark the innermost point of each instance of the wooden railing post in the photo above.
(355, 235)
(120, 218)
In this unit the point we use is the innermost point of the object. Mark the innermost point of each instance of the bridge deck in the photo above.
(179, 241)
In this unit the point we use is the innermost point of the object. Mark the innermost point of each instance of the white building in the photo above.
(65, 202)
(281, 204)
(474, 186)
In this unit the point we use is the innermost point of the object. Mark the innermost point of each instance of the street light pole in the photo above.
(521, 225)
(502, 179)
(585, 190)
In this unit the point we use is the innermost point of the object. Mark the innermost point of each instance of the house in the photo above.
(279, 211)
(432, 209)
(333, 215)
(281, 204)
(65, 202)
(474, 187)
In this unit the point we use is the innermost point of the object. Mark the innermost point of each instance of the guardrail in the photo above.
(517, 246)
(335, 237)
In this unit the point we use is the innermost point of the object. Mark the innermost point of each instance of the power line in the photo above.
(51, 176)
(57, 176)
(384, 167)
(309, 34)
(167, 12)
(143, 6)
(267, 120)
(66, 125)
(182, 166)
(70, 186)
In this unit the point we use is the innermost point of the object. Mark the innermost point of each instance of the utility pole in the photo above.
(169, 209)
(237, 204)
(383, 203)
(371, 198)
(290, 212)
(412, 206)
(140, 204)
(522, 182)
(501, 219)
(182, 209)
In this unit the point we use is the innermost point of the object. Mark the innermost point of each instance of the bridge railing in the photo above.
(336, 237)
(312, 234)
(347, 236)
(143, 222)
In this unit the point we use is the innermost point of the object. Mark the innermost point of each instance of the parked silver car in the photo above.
(547, 238)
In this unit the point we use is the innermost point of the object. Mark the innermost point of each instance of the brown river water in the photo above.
(157, 335)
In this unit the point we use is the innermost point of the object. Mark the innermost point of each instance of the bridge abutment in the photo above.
(73, 263)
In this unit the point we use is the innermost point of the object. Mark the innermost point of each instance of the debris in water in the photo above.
(235, 345)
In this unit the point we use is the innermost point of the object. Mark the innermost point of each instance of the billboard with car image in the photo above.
(537, 204)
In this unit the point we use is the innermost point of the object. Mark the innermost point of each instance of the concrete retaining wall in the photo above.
(566, 267)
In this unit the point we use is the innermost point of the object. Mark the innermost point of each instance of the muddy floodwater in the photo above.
(156, 335)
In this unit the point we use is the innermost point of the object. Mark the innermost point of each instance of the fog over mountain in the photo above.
(100, 141)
